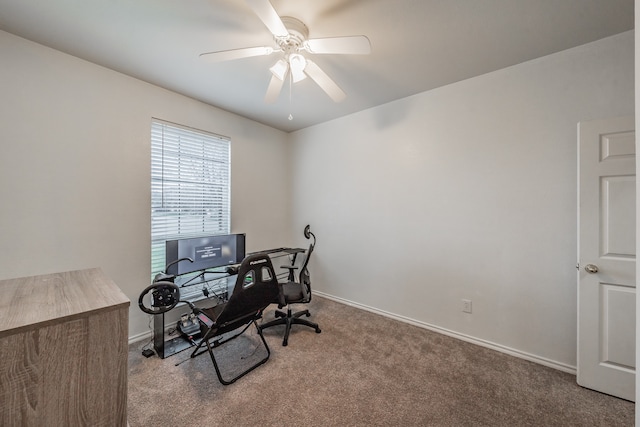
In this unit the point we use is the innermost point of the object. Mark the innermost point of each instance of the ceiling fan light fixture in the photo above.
(280, 69)
(297, 64)
(298, 76)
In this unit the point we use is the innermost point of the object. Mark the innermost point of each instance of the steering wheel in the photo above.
(164, 296)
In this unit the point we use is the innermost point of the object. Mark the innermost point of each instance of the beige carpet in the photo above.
(363, 369)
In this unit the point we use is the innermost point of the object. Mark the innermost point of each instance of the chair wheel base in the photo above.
(289, 319)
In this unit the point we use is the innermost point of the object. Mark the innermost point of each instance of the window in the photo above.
(190, 186)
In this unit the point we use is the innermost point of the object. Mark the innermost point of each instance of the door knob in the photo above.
(591, 269)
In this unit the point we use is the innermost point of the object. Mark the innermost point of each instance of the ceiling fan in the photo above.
(292, 39)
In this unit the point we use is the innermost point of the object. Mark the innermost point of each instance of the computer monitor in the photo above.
(206, 252)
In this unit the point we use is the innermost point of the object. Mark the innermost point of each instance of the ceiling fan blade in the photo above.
(324, 81)
(356, 45)
(269, 17)
(230, 55)
(273, 91)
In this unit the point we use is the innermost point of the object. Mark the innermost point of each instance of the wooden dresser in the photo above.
(63, 350)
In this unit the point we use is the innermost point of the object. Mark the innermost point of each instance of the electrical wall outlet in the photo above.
(466, 305)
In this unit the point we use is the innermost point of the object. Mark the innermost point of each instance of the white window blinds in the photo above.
(190, 186)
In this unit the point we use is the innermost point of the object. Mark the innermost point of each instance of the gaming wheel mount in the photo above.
(164, 297)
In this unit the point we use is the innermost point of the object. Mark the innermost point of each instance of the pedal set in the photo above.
(188, 325)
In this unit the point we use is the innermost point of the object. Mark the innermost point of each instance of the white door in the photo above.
(606, 256)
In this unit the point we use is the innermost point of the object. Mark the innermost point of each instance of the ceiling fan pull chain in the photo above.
(290, 95)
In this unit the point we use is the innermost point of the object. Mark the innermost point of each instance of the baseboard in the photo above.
(139, 337)
(473, 340)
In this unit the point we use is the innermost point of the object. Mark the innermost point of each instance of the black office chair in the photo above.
(256, 287)
(295, 292)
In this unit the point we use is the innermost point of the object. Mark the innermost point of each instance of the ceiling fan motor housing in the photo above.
(298, 33)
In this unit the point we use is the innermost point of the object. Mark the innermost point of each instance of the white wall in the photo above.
(466, 191)
(75, 168)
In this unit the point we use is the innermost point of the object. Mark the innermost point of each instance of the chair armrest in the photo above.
(290, 277)
(281, 301)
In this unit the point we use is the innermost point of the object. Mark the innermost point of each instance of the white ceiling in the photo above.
(417, 45)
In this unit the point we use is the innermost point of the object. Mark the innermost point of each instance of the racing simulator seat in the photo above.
(256, 287)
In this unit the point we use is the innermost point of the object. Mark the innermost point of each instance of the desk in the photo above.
(281, 252)
(223, 288)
